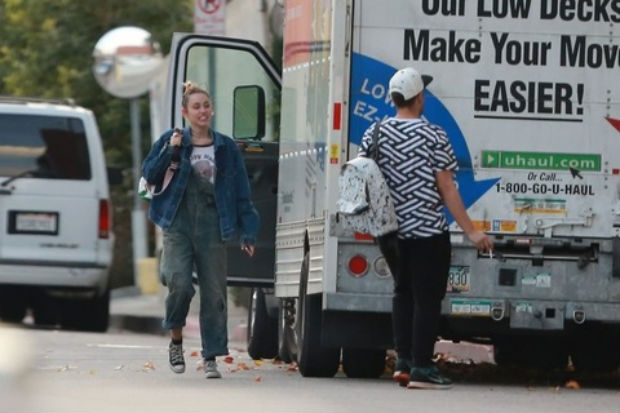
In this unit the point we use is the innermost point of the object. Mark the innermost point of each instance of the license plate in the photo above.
(458, 279)
(27, 222)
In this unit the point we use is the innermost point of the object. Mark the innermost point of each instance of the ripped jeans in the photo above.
(193, 238)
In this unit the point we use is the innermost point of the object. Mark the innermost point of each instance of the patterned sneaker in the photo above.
(175, 356)
(428, 378)
(401, 371)
(211, 371)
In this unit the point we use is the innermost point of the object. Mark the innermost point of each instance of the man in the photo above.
(418, 163)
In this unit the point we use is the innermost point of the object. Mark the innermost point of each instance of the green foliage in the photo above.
(46, 52)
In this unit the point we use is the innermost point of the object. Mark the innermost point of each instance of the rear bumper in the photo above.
(522, 313)
(55, 275)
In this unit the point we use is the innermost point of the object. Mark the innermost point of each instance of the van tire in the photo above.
(262, 333)
(99, 310)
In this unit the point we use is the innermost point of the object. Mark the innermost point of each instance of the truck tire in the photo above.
(363, 363)
(262, 333)
(313, 359)
(596, 350)
(287, 342)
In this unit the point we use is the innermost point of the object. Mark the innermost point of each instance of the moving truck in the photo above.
(528, 93)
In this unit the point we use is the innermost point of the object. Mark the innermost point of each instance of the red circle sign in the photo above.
(209, 6)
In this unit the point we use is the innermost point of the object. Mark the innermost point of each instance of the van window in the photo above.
(49, 147)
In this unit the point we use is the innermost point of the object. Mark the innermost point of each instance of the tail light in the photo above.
(105, 219)
(358, 266)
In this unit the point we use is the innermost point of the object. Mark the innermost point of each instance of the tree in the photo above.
(46, 52)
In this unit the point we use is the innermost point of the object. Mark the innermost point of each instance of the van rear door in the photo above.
(244, 85)
(48, 204)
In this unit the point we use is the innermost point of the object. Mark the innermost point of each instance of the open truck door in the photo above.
(244, 85)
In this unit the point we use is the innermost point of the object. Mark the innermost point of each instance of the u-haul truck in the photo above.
(528, 93)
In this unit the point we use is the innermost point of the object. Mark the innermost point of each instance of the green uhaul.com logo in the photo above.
(541, 160)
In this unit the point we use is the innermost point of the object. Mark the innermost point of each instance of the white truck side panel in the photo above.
(523, 101)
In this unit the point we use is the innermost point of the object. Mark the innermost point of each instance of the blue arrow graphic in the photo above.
(370, 102)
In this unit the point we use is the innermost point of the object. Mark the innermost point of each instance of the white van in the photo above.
(56, 241)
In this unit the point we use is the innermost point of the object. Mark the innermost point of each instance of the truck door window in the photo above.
(234, 69)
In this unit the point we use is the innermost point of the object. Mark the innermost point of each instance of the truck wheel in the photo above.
(313, 359)
(363, 363)
(531, 351)
(287, 342)
(262, 334)
(596, 350)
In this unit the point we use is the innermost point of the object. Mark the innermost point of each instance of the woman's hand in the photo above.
(175, 139)
(249, 249)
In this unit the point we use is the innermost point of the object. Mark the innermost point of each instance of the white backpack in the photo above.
(364, 203)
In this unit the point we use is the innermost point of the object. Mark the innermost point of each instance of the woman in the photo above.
(206, 203)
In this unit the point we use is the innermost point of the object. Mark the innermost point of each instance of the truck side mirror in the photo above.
(249, 112)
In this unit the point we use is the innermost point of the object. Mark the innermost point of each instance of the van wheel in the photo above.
(363, 363)
(313, 359)
(262, 335)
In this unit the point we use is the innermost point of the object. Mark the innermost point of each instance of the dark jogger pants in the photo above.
(420, 269)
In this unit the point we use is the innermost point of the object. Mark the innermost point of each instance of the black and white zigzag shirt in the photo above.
(411, 151)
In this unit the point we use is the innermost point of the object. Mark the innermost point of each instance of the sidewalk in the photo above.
(142, 313)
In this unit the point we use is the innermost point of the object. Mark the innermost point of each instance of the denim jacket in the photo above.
(232, 189)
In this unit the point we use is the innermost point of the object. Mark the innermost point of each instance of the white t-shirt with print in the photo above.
(203, 162)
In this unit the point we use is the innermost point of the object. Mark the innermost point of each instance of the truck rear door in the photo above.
(244, 85)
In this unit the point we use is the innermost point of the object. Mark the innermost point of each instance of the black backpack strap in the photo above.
(373, 150)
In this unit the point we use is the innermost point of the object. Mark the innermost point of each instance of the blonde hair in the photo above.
(189, 88)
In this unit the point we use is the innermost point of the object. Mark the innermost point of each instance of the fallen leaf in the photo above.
(148, 365)
(258, 363)
(258, 379)
(194, 354)
(572, 384)
(228, 359)
(292, 367)
(243, 366)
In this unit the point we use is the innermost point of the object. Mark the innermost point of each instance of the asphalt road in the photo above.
(120, 371)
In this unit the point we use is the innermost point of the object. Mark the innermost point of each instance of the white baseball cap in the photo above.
(408, 82)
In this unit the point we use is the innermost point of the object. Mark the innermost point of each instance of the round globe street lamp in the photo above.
(125, 61)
